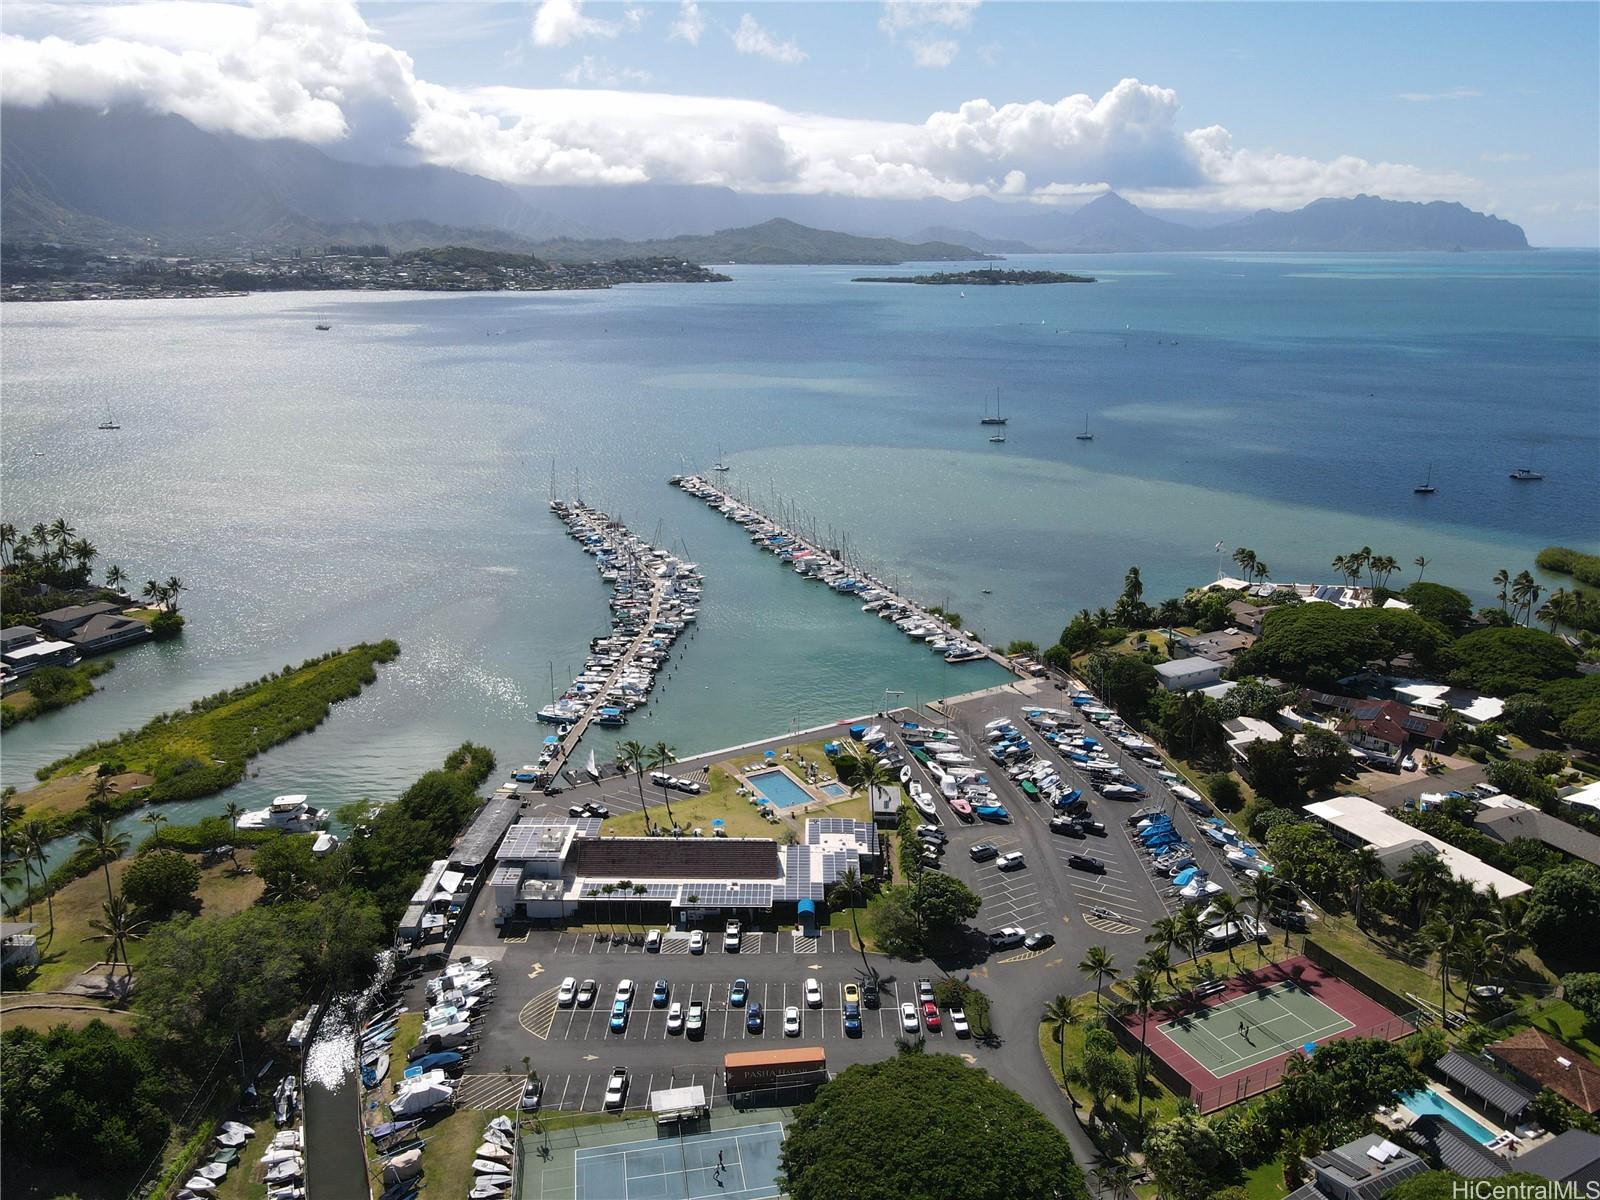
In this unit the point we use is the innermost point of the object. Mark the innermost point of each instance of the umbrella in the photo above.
(715, 822)
(772, 754)
(1309, 1047)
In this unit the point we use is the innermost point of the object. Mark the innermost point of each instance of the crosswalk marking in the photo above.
(489, 1091)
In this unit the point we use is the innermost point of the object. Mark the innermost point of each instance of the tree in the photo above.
(661, 757)
(1261, 895)
(1421, 564)
(36, 839)
(1061, 1014)
(1444, 606)
(1504, 662)
(1225, 910)
(633, 756)
(103, 846)
(1563, 909)
(1366, 868)
(943, 903)
(1225, 791)
(1124, 682)
(854, 1140)
(1426, 877)
(160, 881)
(233, 812)
(1103, 1071)
(1099, 964)
(1132, 585)
(1142, 987)
(88, 1099)
(1526, 714)
(850, 889)
(289, 869)
(1163, 936)
(119, 926)
(1560, 609)
(1323, 757)
(894, 922)
(1347, 1077)
(1273, 769)
(1581, 989)
(1187, 1158)
(115, 577)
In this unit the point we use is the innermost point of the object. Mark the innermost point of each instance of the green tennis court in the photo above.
(732, 1156)
(1251, 1029)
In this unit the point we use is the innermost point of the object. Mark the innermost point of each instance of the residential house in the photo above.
(18, 946)
(64, 622)
(1381, 730)
(1506, 823)
(1244, 732)
(1360, 1170)
(1455, 1151)
(1247, 616)
(40, 653)
(1186, 674)
(15, 636)
(1356, 821)
(1219, 646)
(94, 628)
(1571, 1157)
(1539, 1061)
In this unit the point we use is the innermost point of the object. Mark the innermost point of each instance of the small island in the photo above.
(987, 277)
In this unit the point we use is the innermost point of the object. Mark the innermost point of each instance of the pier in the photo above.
(654, 600)
(811, 560)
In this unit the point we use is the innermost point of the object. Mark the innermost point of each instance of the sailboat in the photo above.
(592, 770)
(996, 419)
(1525, 475)
(719, 465)
(1085, 436)
(998, 437)
(1426, 488)
(110, 422)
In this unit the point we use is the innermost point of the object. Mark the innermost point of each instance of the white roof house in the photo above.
(1361, 822)
(1587, 796)
(1185, 674)
(1434, 698)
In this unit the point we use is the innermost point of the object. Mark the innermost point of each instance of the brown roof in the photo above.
(1534, 1054)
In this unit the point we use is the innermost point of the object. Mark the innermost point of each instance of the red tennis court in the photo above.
(1231, 1041)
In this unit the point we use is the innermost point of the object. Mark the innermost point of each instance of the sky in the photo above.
(1212, 106)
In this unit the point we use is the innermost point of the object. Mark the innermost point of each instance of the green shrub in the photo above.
(1585, 568)
(160, 881)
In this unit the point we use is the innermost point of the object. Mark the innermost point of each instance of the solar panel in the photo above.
(591, 889)
(710, 894)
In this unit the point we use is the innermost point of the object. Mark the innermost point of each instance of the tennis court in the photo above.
(1230, 1041)
(734, 1162)
(1248, 1030)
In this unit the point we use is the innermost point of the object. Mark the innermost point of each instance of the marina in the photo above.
(807, 557)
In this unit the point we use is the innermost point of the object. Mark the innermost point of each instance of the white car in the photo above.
(696, 1024)
(1012, 861)
(958, 1022)
(697, 942)
(675, 1018)
(908, 1018)
(730, 937)
(617, 1088)
(1409, 763)
(813, 994)
(568, 992)
(625, 991)
(791, 1022)
(652, 941)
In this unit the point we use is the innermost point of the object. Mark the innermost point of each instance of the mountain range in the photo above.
(125, 177)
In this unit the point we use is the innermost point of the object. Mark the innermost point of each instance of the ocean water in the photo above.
(389, 478)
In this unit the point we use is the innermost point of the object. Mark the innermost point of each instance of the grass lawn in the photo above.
(71, 949)
(43, 1019)
(23, 706)
(68, 793)
(1566, 1024)
(447, 1156)
(1266, 1181)
(1159, 1103)
(246, 1180)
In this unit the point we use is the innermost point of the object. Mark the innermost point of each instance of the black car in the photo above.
(754, 1018)
(596, 810)
(1097, 828)
(1288, 919)
(553, 790)
(869, 994)
(1042, 940)
(983, 852)
(1082, 862)
(1065, 826)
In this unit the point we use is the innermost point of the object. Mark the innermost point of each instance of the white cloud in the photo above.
(939, 52)
(602, 73)
(558, 22)
(313, 70)
(1460, 93)
(925, 25)
(751, 38)
(691, 23)
(1505, 157)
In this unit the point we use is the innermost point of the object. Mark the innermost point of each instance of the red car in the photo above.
(930, 1014)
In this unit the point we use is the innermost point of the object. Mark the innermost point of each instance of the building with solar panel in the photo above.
(558, 869)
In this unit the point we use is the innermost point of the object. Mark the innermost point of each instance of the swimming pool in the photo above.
(1429, 1101)
(835, 790)
(779, 789)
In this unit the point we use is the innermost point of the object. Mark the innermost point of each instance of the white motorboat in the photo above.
(290, 814)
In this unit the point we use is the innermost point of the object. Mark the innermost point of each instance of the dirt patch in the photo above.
(71, 792)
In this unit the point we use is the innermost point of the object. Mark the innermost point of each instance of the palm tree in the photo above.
(1101, 964)
(115, 577)
(1061, 1014)
(1341, 564)
(1560, 609)
(1264, 571)
(172, 587)
(633, 756)
(1428, 878)
(101, 790)
(233, 812)
(36, 842)
(1502, 580)
(104, 847)
(1142, 987)
(1383, 566)
(850, 888)
(1524, 593)
(119, 927)
(155, 820)
(1115, 1177)
(1227, 912)
(1247, 561)
(8, 539)
(1132, 585)
(625, 887)
(61, 533)
(663, 755)
(1261, 894)
(1363, 562)
(20, 859)
(1421, 565)
(640, 890)
(610, 889)
(151, 592)
(1502, 930)
(1191, 934)
(1163, 936)
(870, 773)
(84, 552)
(1365, 868)
(1443, 936)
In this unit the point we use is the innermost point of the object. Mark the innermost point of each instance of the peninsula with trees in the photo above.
(986, 277)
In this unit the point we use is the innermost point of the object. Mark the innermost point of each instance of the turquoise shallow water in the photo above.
(389, 477)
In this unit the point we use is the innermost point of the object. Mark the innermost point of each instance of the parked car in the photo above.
(908, 1017)
(791, 1021)
(932, 833)
(675, 1017)
(983, 851)
(924, 991)
(738, 993)
(852, 994)
(697, 942)
(1042, 939)
(930, 1014)
(958, 1023)
(852, 1020)
(696, 1024)
(587, 991)
(1011, 861)
(1065, 826)
(1289, 918)
(754, 1017)
(625, 991)
(617, 1089)
(731, 937)
(658, 994)
(1084, 862)
(1097, 828)
(532, 1095)
(652, 941)
(813, 993)
(869, 993)
(567, 993)
(619, 1016)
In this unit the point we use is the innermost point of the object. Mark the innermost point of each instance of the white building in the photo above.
(1186, 674)
(1359, 822)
